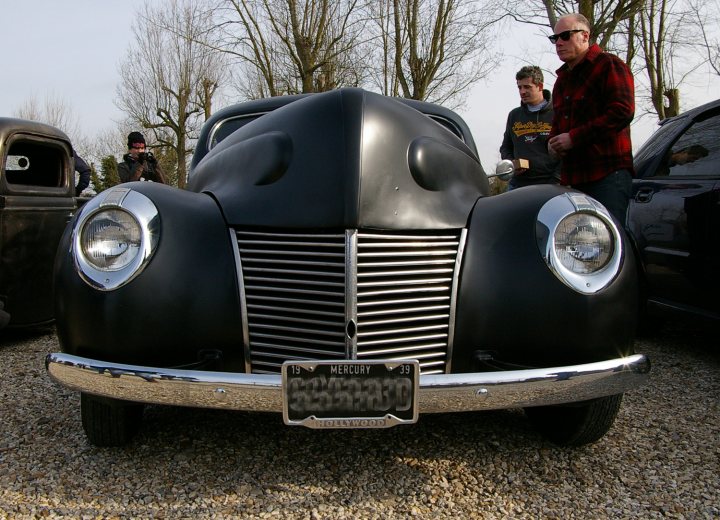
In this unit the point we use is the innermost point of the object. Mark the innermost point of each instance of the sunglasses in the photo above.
(564, 36)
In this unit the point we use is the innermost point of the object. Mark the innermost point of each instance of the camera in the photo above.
(146, 156)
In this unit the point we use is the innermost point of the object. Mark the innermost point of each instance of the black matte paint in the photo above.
(343, 160)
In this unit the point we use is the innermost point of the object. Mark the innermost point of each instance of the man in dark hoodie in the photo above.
(527, 131)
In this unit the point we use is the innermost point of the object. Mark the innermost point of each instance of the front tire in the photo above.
(576, 424)
(109, 422)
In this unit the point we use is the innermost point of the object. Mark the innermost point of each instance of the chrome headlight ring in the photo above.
(114, 238)
(579, 242)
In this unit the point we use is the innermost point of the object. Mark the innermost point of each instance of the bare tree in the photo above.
(111, 141)
(668, 57)
(54, 111)
(383, 74)
(169, 78)
(661, 24)
(440, 47)
(605, 16)
(707, 21)
(290, 46)
(422, 49)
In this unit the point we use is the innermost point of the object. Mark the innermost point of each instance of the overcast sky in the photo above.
(71, 50)
(67, 49)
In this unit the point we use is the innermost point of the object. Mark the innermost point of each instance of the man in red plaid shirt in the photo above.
(594, 102)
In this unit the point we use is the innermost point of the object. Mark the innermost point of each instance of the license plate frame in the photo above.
(350, 394)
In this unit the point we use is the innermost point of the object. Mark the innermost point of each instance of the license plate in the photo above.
(350, 394)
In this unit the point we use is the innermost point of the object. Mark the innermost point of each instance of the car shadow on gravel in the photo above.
(687, 337)
(242, 430)
(16, 336)
(256, 455)
(692, 333)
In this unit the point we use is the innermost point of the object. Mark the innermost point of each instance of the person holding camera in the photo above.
(138, 164)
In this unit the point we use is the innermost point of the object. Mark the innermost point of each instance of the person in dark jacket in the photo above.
(138, 164)
(84, 171)
(527, 130)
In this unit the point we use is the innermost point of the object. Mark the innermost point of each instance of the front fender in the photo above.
(511, 306)
(185, 300)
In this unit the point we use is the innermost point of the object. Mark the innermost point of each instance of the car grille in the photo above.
(348, 295)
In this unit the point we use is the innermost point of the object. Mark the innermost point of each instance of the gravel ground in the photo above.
(661, 460)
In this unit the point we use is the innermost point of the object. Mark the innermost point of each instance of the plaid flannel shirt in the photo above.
(595, 102)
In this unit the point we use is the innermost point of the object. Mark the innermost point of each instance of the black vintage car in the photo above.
(36, 204)
(674, 215)
(337, 259)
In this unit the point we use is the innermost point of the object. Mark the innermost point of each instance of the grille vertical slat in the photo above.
(297, 307)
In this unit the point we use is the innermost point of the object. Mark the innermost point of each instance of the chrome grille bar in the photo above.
(351, 295)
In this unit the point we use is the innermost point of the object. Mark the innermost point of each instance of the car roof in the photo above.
(10, 125)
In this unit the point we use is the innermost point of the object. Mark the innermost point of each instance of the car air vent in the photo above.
(348, 295)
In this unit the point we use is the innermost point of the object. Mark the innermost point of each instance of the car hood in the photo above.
(343, 159)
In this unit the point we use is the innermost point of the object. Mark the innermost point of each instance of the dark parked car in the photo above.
(337, 259)
(36, 203)
(674, 215)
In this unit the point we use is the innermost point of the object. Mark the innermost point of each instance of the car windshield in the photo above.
(228, 126)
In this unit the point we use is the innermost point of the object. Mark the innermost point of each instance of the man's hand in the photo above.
(139, 170)
(560, 145)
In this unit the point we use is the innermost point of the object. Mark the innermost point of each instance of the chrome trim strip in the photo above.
(453, 298)
(263, 392)
(243, 300)
(351, 304)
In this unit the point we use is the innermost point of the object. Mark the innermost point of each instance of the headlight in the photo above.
(579, 242)
(110, 240)
(584, 243)
(115, 237)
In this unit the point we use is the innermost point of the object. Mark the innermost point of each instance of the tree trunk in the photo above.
(673, 102)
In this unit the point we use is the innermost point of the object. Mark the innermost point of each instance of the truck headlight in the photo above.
(115, 237)
(579, 242)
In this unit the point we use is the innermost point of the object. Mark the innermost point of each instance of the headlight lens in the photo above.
(584, 243)
(111, 240)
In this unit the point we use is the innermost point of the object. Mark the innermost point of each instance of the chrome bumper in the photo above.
(263, 393)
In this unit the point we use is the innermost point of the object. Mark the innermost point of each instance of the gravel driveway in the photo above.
(661, 460)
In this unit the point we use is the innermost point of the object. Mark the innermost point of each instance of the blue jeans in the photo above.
(612, 191)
